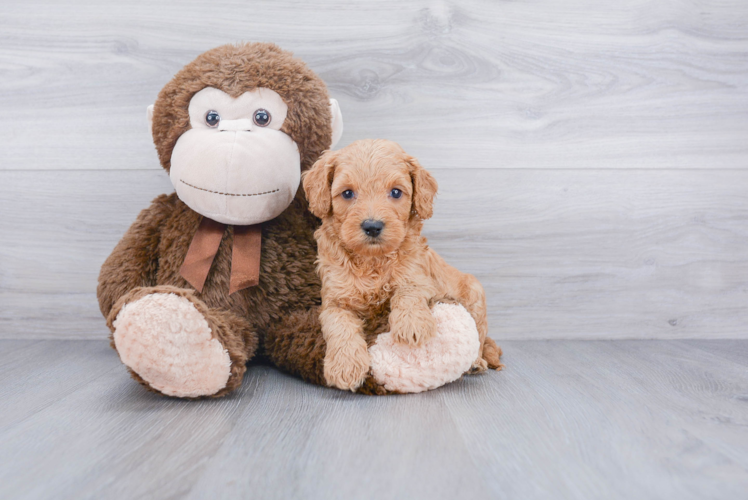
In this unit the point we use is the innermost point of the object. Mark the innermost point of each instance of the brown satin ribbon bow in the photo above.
(245, 255)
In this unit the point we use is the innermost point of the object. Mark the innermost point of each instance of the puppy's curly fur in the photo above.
(372, 198)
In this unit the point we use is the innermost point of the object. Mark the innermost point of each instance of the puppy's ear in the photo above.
(424, 189)
(317, 182)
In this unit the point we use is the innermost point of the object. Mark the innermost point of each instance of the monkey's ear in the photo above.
(337, 122)
(149, 117)
(424, 189)
(317, 183)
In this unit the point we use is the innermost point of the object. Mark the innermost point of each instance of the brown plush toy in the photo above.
(205, 276)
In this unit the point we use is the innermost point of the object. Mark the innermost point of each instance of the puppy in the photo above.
(373, 198)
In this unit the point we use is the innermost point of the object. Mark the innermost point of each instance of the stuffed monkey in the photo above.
(203, 274)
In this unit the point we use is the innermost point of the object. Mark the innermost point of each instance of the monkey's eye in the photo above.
(262, 117)
(212, 118)
(396, 193)
(347, 194)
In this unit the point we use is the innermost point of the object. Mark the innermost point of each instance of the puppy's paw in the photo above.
(479, 366)
(347, 366)
(414, 327)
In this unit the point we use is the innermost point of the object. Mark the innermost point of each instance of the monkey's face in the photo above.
(235, 165)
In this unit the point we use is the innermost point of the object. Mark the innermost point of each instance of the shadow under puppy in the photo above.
(377, 271)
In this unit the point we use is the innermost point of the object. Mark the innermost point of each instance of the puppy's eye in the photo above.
(262, 117)
(212, 118)
(347, 194)
(396, 193)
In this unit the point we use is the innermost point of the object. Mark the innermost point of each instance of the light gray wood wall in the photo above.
(592, 156)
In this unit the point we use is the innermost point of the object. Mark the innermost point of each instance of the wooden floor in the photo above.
(567, 419)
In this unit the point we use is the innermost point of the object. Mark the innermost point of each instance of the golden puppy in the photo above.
(373, 198)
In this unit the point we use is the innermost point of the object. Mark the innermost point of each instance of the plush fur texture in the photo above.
(147, 259)
(166, 328)
(298, 347)
(236, 69)
(395, 271)
(444, 358)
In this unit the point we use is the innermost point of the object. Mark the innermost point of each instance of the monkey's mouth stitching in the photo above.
(228, 194)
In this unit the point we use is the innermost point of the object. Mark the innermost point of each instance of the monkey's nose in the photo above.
(372, 227)
(235, 125)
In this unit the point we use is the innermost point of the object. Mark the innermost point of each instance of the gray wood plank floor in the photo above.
(566, 419)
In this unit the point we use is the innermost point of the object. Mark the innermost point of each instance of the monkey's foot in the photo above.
(165, 340)
(442, 359)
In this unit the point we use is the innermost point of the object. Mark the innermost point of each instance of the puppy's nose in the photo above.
(372, 227)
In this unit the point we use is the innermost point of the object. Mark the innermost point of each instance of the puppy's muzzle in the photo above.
(372, 228)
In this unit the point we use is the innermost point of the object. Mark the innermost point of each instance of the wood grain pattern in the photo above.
(578, 84)
(36, 375)
(566, 419)
(628, 407)
(561, 134)
(562, 254)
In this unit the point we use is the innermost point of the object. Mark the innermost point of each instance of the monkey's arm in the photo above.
(134, 261)
(296, 345)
